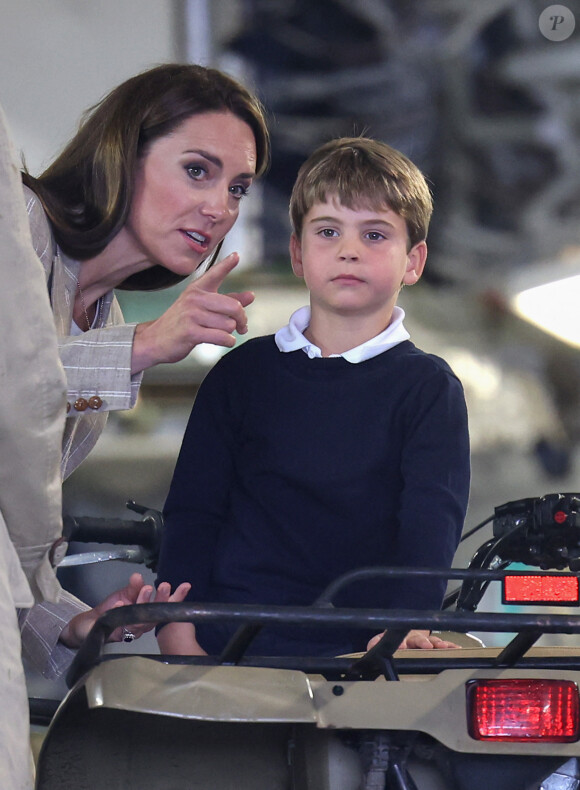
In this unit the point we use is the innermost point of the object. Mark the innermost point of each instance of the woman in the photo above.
(141, 196)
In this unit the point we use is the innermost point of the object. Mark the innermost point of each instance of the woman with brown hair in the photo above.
(141, 196)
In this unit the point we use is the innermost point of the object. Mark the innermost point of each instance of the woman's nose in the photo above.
(216, 204)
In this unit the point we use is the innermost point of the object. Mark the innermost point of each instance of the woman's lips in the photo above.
(197, 240)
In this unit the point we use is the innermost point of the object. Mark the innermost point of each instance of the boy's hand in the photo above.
(418, 640)
(179, 639)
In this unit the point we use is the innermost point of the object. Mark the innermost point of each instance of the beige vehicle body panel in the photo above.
(432, 704)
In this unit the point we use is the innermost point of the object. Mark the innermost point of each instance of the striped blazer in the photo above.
(97, 362)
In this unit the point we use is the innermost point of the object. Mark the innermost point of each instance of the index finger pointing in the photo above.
(212, 279)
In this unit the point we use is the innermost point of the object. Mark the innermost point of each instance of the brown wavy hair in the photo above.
(87, 191)
(360, 171)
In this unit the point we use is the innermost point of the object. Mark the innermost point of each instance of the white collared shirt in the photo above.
(291, 337)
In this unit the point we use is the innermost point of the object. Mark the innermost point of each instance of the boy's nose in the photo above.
(349, 250)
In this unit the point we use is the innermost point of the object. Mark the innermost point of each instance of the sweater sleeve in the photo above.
(435, 473)
(197, 506)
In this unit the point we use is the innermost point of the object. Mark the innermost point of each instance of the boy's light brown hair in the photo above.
(362, 172)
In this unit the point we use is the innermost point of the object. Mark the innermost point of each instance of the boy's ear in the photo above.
(416, 258)
(296, 255)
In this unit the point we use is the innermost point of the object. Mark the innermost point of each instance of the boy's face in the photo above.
(354, 261)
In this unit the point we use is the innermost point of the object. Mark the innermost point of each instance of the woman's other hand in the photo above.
(136, 591)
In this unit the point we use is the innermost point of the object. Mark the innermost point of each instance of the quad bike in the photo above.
(463, 719)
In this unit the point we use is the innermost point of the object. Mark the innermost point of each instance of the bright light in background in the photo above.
(207, 354)
(553, 307)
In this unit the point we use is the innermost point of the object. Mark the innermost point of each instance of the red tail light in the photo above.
(555, 589)
(523, 710)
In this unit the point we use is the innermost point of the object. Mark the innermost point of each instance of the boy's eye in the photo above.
(195, 171)
(374, 235)
(327, 233)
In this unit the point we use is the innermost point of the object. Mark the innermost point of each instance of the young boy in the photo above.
(335, 444)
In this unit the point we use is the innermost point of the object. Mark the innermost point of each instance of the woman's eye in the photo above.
(239, 191)
(195, 171)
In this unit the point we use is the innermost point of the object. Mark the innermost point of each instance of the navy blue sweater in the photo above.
(294, 470)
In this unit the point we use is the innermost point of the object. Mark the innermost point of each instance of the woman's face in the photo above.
(188, 190)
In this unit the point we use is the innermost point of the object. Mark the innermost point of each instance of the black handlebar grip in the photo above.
(144, 532)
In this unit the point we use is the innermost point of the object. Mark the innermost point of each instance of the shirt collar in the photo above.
(291, 337)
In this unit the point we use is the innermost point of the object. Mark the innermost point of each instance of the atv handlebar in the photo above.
(144, 533)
